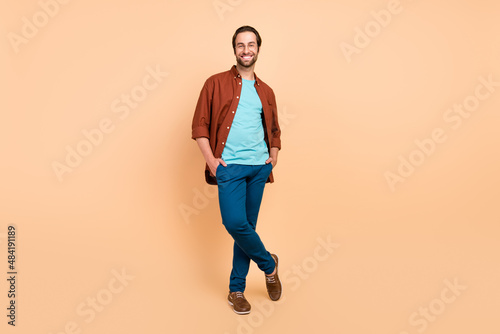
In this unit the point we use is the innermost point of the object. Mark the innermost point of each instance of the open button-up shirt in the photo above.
(217, 106)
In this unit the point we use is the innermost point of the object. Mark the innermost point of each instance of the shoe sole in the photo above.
(237, 312)
(277, 273)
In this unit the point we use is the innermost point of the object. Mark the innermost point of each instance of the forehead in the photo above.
(246, 37)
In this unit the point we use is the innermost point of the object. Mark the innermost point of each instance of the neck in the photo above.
(246, 72)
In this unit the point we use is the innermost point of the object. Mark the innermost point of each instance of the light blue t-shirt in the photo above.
(245, 144)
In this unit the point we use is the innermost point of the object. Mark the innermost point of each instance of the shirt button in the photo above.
(233, 111)
(240, 83)
(222, 143)
(237, 97)
(228, 127)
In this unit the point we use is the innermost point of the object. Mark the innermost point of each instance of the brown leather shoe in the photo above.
(239, 303)
(273, 282)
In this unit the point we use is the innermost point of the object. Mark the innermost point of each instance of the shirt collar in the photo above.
(234, 71)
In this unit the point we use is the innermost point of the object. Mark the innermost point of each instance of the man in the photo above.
(236, 127)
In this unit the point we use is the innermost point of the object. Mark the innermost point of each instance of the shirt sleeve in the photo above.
(275, 128)
(202, 114)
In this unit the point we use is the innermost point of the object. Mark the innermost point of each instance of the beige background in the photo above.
(138, 202)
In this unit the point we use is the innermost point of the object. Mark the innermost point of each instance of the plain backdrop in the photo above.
(384, 209)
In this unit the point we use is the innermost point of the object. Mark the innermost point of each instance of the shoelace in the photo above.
(239, 294)
(271, 279)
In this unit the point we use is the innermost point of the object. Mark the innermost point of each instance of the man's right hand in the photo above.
(213, 163)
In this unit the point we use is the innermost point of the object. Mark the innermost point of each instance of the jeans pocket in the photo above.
(267, 169)
(220, 173)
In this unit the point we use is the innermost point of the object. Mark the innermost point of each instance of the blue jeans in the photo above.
(240, 193)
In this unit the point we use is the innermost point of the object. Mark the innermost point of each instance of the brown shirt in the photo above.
(217, 106)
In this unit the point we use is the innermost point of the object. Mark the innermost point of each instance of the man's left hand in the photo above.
(273, 156)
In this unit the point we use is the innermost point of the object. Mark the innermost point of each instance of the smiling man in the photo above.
(236, 127)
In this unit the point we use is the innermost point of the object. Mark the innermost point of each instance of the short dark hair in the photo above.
(243, 29)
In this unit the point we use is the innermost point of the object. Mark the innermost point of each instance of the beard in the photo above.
(246, 64)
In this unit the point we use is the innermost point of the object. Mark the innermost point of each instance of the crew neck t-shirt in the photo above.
(245, 144)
